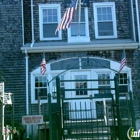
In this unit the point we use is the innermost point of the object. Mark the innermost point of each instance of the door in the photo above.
(81, 107)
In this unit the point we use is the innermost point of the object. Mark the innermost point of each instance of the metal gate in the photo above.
(81, 123)
(93, 116)
(97, 117)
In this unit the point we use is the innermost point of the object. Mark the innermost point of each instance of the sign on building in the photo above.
(32, 119)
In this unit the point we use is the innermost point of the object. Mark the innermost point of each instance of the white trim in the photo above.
(104, 4)
(85, 38)
(44, 6)
(93, 75)
(78, 47)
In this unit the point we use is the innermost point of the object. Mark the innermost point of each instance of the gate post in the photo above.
(132, 110)
(118, 107)
(59, 106)
(50, 116)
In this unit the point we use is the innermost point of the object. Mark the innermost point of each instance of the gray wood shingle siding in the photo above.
(12, 61)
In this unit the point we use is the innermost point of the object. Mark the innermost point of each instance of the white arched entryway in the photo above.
(81, 69)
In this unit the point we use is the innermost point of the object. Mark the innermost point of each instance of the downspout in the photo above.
(138, 23)
(32, 23)
(22, 22)
(133, 23)
(27, 92)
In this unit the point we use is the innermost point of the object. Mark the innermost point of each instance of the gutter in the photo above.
(27, 69)
(32, 23)
(22, 22)
(133, 22)
(27, 92)
(72, 48)
(138, 23)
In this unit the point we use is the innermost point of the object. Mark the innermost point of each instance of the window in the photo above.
(123, 82)
(105, 20)
(62, 86)
(80, 85)
(104, 83)
(49, 16)
(40, 87)
(79, 32)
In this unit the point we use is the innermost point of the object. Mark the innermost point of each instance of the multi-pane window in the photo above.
(40, 87)
(104, 83)
(105, 20)
(81, 85)
(49, 17)
(123, 82)
(62, 86)
(79, 29)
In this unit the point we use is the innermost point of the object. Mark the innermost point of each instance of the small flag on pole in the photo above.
(43, 65)
(123, 60)
(68, 17)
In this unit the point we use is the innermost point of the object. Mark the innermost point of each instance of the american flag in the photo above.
(68, 17)
(43, 65)
(123, 61)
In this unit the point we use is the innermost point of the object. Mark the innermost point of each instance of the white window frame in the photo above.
(105, 4)
(33, 100)
(124, 84)
(104, 85)
(85, 38)
(46, 6)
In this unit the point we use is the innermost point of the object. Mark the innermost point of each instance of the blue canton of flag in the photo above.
(43, 65)
(68, 17)
(123, 61)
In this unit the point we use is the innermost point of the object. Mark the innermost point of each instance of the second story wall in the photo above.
(121, 21)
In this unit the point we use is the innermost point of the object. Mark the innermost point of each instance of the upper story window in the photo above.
(79, 32)
(105, 20)
(49, 16)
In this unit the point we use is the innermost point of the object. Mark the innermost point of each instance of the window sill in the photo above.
(106, 37)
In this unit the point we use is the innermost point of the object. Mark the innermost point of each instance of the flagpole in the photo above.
(123, 60)
(125, 55)
(79, 18)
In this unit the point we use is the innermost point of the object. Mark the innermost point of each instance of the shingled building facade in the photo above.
(27, 30)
